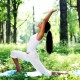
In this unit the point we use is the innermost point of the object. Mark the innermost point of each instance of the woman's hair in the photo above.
(49, 40)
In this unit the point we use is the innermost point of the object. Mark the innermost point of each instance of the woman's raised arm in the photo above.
(42, 25)
(48, 15)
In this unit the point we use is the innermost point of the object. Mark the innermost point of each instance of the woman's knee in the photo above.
(13, 54)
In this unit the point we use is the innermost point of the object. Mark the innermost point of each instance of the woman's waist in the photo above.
(31, 51)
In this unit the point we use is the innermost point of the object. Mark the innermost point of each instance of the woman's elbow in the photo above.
(44, 21)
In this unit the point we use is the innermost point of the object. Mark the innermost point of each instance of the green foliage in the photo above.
(61, 59)
(3, 13)
(72, 21)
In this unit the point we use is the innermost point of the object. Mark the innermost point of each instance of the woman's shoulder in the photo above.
(34, 35)
(34, 38)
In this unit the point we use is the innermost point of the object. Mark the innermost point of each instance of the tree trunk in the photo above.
(0, 32)
(8, 25)
(15, 29)
(15, 4)
(33, 22)
(4, 32)
(63, 21)
(71, 37)
(78, 9)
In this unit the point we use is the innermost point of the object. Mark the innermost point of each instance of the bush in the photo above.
(61, 59)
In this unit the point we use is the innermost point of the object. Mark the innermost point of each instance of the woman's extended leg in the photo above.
(41, 68)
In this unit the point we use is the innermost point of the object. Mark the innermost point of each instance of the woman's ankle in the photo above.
(19, 69)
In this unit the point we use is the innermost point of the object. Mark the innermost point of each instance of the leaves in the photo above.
(58, 60)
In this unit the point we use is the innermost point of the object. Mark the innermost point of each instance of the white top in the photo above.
(33, 42)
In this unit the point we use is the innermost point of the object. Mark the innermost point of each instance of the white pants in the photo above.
(33, 58)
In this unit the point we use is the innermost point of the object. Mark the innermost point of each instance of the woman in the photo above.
(31, 54)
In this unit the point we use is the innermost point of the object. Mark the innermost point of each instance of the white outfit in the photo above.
(32, 56)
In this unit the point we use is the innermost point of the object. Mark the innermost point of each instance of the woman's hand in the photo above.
(53, 10)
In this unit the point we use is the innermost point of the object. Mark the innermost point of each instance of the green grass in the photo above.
(62, 58)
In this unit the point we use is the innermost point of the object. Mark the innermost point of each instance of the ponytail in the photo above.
(49, 42)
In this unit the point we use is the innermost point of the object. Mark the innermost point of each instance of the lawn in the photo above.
(63, 58)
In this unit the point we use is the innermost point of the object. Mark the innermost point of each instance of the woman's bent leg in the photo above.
(15, 54)
(17, 64)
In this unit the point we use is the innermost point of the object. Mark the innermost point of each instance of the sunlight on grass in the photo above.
(63, 59)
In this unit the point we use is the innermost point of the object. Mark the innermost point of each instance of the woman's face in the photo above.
(40, 25)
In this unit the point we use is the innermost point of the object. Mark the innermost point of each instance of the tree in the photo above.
(1, 35)
(15, 4)
(63, 21)
(33, 22)
(8, 23)
(78, 9)
(3, 19)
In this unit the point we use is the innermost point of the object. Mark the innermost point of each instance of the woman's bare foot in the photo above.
(59, 72)
(62, 72)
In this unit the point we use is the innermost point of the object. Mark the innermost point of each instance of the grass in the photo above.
(62, 58)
